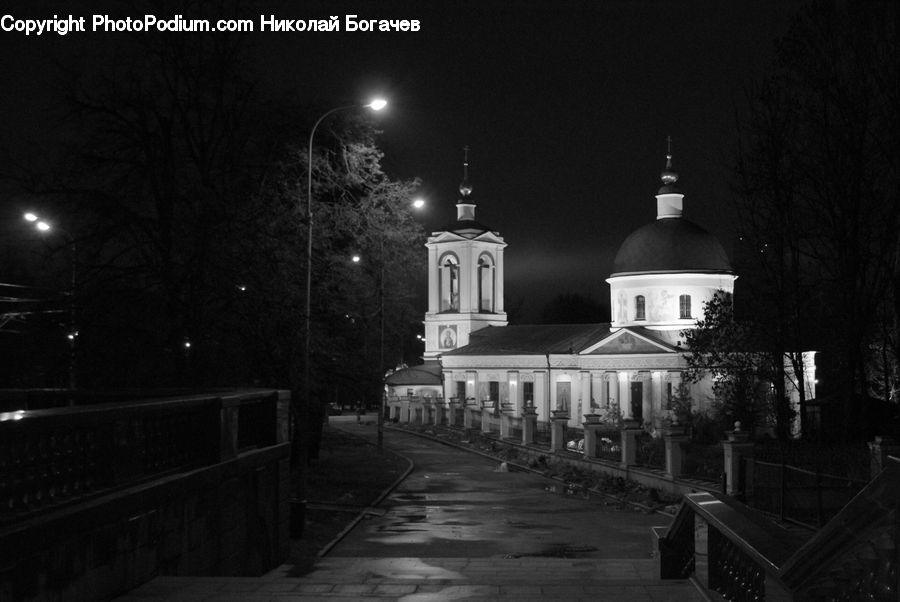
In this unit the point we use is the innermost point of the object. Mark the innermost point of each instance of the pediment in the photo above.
(627, 341)
(447, 236)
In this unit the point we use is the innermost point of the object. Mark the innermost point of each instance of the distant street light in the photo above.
(72, 335)
(376, 105)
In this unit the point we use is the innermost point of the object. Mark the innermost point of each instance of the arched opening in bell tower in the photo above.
(486, 283)
(449, 282)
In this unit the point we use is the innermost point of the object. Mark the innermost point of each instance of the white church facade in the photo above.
(631, 367)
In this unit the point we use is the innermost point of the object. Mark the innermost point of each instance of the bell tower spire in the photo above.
(465, 208)
(669, 200)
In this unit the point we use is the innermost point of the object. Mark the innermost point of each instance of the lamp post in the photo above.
(44, 226)
(417, 203)
(375, 105)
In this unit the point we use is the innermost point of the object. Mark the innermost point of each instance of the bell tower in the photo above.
(465, 277)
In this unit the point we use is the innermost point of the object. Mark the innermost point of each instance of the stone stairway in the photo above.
(435, 579)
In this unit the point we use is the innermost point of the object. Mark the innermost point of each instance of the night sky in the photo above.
(566, 107)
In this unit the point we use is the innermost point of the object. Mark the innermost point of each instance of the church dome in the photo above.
(671, 244)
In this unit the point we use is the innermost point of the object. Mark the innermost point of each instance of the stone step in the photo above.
(426, 579)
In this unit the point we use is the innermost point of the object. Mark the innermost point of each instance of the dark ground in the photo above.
(349, 475)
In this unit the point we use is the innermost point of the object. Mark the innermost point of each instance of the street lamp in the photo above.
(416, 203)
(44, 226)
(376, 105)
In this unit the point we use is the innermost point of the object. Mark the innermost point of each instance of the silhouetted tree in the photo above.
(817, 184)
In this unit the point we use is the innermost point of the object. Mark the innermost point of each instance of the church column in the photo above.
(584, 395)
(471, 384)
(433, 282)
(624, 395)
(609, 390)
(646, 395)
(541, 401)
(515, 393)
(449, 385)
(468, 275)
(498, 284)
(596, 391)
(657, 385)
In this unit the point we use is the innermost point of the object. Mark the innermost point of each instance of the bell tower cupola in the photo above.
(465, 277)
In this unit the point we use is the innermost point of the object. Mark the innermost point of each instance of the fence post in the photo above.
(486, 413)
(629, 434)
(737, 445)
(880, 449)
(590, 438)
(451, 412)
(529, 425)
(558, 432)
(674, 438)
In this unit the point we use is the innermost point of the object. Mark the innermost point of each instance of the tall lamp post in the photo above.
(375, 105)
(44, 226)
(418, 203)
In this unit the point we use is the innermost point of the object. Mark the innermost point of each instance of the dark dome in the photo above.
(670, 245)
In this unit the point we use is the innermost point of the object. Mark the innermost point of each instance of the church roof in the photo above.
(428, 373)
(466, 228)
(532, 339)
(670, 245)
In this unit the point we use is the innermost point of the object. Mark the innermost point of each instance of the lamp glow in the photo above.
(418, 203)
(377, 104)
(30, 217)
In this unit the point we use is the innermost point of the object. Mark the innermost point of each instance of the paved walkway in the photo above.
(457, 529)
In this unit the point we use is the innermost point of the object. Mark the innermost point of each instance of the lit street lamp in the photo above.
(375, 105)
(44, 226)
(417, 203)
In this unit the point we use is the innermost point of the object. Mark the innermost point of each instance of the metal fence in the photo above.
(809, 497)
(651, 451)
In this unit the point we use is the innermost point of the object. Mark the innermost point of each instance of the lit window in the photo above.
(684, 304)
(639, 308)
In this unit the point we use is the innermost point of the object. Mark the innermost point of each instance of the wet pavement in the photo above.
(457, 528)
(457, 504)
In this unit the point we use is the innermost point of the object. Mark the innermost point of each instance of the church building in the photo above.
(663, 274)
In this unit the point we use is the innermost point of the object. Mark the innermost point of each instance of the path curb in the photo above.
(337, 538)
(524, 468)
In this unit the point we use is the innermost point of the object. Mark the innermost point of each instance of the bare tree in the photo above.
(817, 182)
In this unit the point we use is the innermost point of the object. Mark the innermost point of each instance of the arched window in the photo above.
(449, 283)
(639, 308)
(485, 283)
(684, 306)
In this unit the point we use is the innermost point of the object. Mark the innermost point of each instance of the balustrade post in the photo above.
(228, 429)
(506, 421)
(558, 432)
(590, 438)
(437, 416)
(629, 433)
(469, 416)
(283, 416)
(451, 412)
(737, 446)
(404, 411)
(529, 425)
(674, 437)
(485, 419)
(881, 448)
